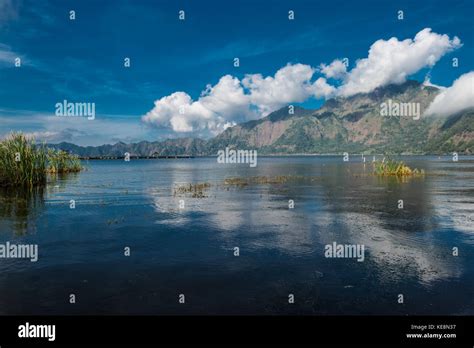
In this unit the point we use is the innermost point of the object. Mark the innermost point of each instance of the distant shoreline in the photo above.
(136, 157)
(263, 156)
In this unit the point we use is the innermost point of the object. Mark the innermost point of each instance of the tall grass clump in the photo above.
(62, 162)
(24, 163)
(391, 167)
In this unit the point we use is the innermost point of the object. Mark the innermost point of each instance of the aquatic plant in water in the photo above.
(195, 190)
(62, 162)
(24, 163)
(388, 167)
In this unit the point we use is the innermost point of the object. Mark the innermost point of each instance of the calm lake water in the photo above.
(190, 251)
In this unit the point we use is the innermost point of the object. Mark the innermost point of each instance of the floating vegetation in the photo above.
(195, 190)
(199, 190)
(236, 181)
(23, 163)
(265, 180)
(391, 167)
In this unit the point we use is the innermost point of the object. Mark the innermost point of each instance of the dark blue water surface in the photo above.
(190, 251)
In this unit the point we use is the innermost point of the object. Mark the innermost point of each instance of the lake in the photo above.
(190, 249)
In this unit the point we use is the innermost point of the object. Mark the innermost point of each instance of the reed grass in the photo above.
(25, 163)
(390, 167)
(62, 162)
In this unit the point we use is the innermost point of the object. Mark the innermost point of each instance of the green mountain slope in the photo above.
(355, 124)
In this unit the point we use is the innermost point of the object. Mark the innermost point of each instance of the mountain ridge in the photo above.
(344, 124)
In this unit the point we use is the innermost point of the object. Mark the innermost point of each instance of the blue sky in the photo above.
(82, 60)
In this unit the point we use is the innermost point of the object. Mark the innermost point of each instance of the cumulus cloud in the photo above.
(392, 61)
(232, 101)
(458, 97)
(321, 89)
(336, 70)
(217, 108)
(291, 83)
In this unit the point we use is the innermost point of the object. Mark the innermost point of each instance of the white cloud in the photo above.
(455, 98)
(427, 82)
(291, 83)
(7, 56)
(392, 61)
(226, 99)
(104, 129)
(336, 70)
(232, 101)
(217, 108)
(41, 136)
(322, 89)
